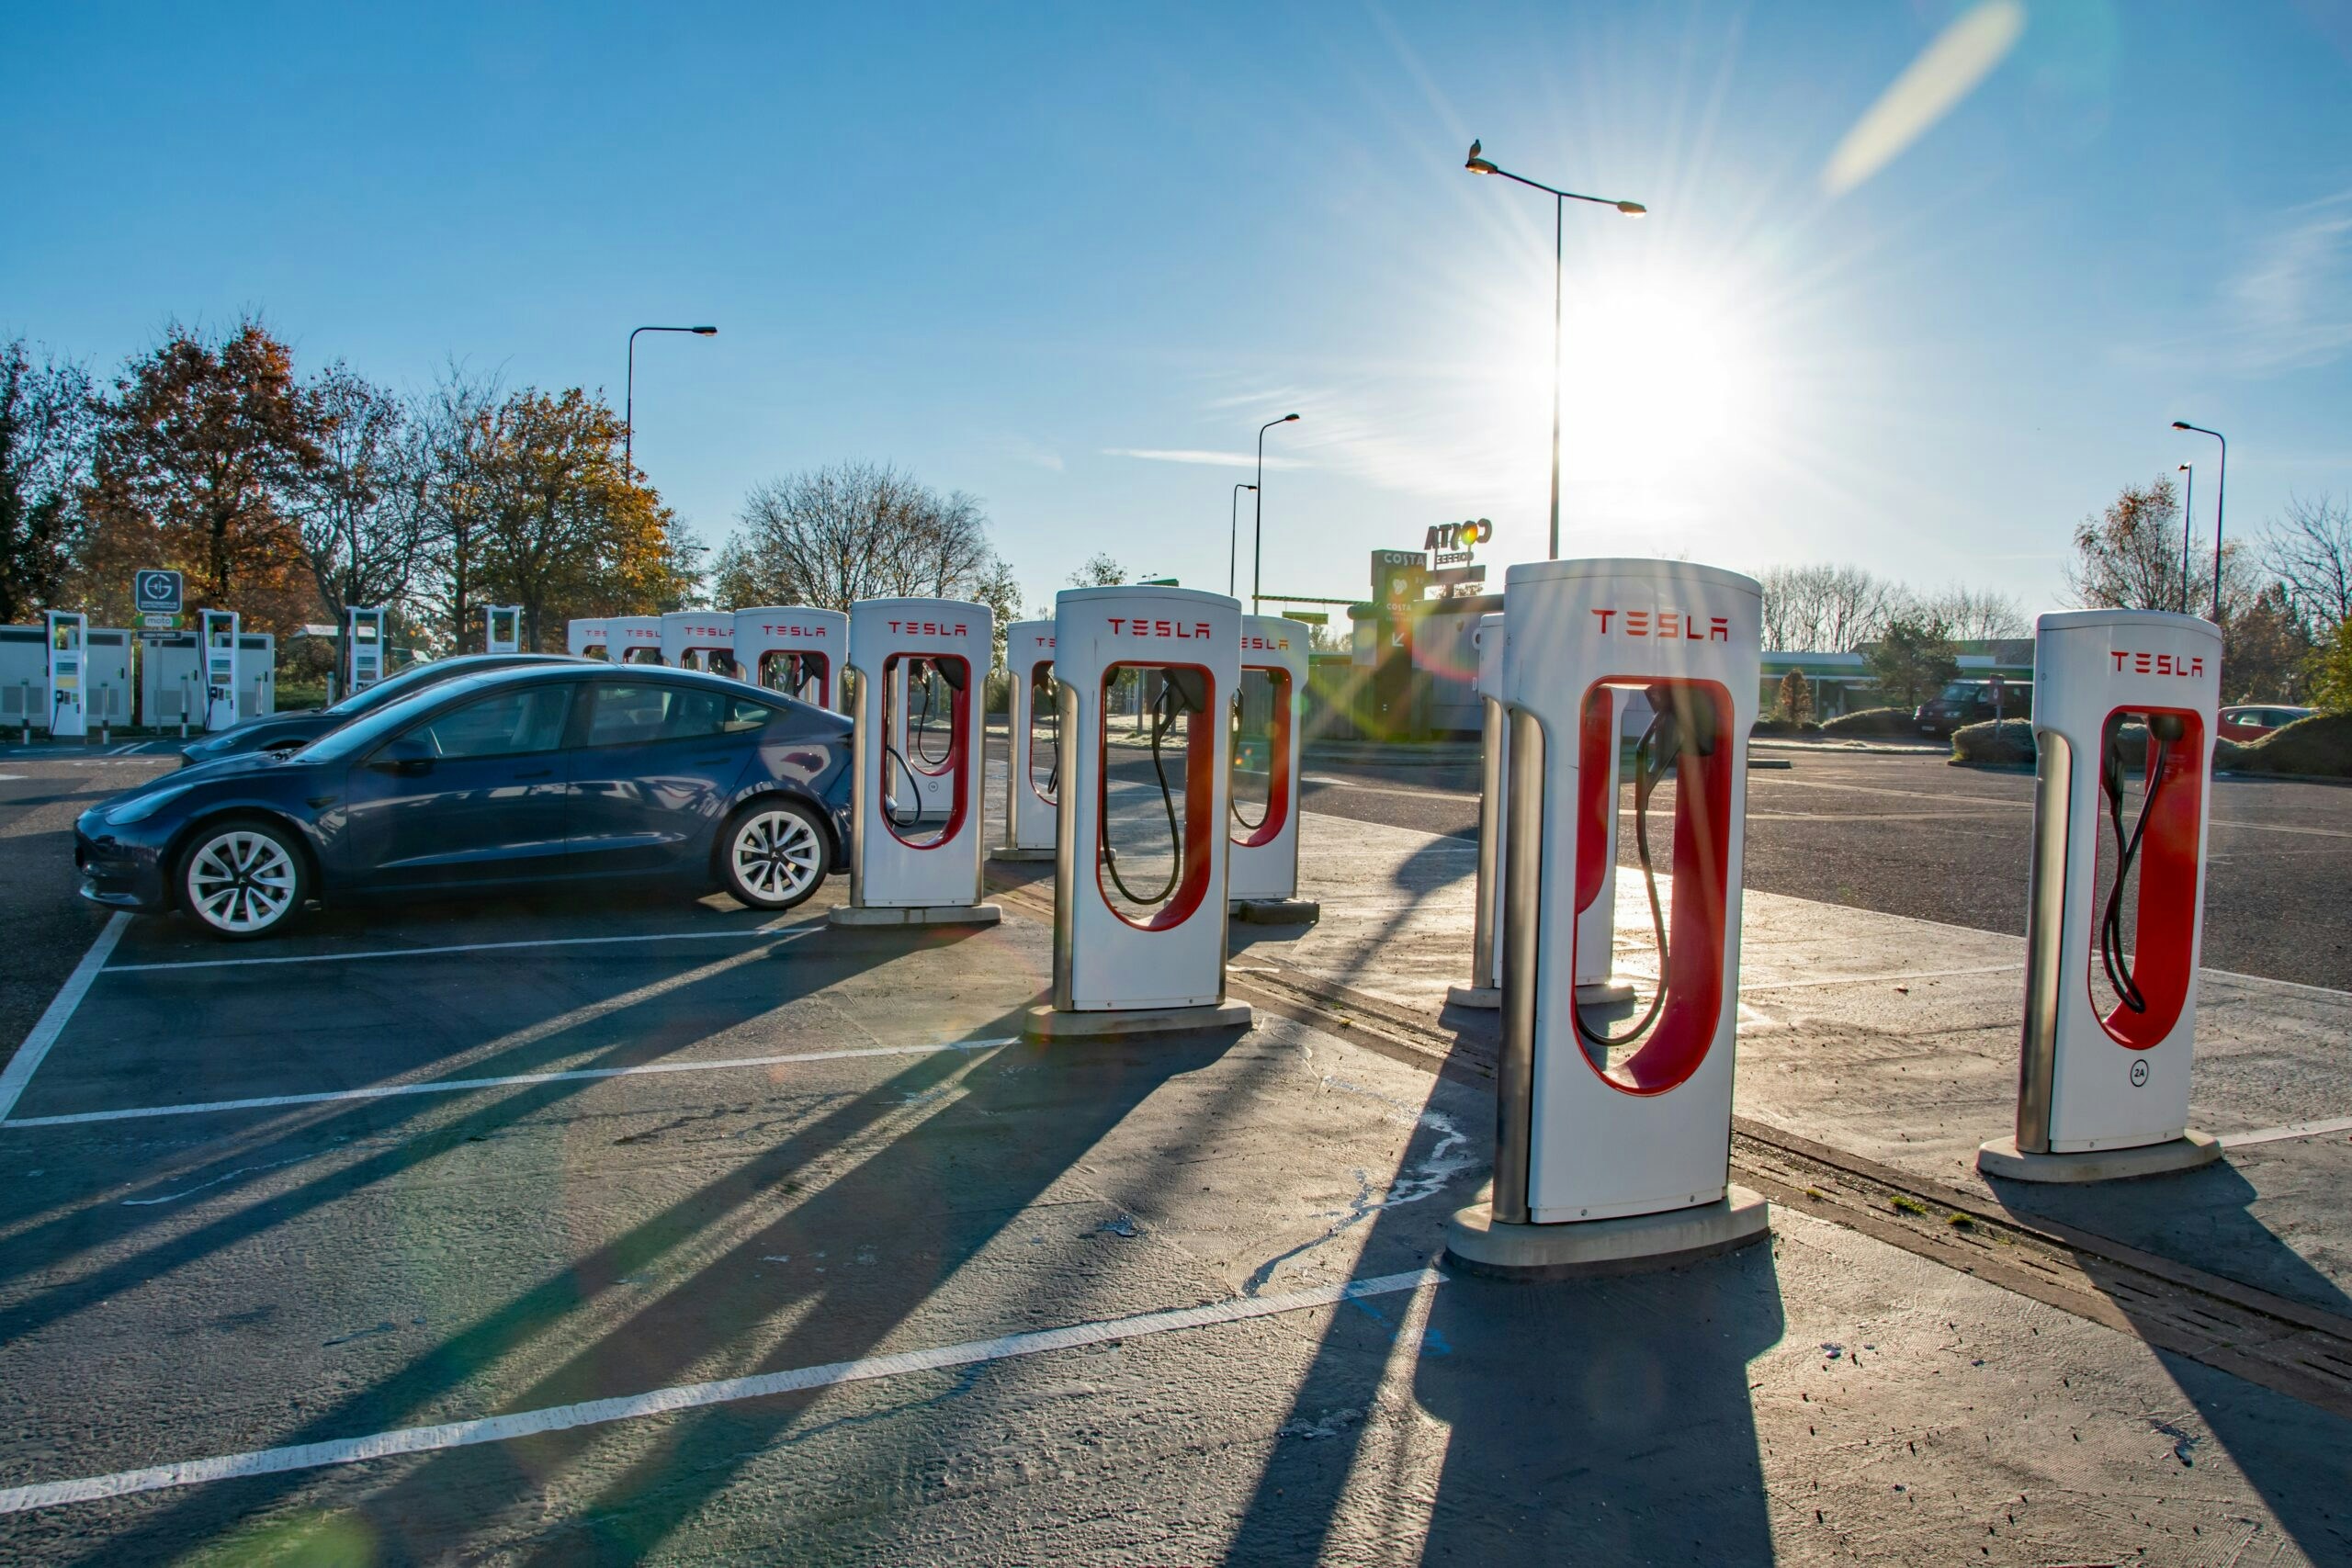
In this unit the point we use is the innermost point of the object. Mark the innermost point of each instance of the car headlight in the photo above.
(146, 806)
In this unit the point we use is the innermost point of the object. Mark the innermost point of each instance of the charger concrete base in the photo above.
(1475, 1241)
(2002, 1158)
(1052, 1024)
(1276, 911)
(1596, 993)
(914, 915)
(1605, 993)
(1000, 853)
(1487, 996)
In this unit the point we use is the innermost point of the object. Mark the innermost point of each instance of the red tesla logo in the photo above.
(1668, 624)
(2186, 665)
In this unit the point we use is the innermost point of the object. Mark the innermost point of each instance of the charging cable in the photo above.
(2165, 729)
(1233, 797)
(1180, 691)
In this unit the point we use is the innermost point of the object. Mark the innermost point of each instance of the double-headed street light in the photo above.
(2220, 491)
(1258, 511)
(628, 390)
(1478, 165)
(1233, 537)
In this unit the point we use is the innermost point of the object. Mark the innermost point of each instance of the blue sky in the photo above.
(1013, 249)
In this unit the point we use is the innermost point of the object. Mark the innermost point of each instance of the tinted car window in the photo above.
(744, 714)
(632, 715)
(505, 724)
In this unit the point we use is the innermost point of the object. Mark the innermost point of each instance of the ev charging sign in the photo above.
(156, 592)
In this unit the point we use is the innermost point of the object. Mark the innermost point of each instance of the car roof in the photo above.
(565, 667)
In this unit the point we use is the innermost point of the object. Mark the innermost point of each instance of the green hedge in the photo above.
(2319, 746)
(1874, 721)
(1774, 724)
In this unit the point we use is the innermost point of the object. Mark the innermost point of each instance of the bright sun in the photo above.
(1662, 389)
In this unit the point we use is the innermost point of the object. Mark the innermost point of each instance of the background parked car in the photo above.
(1972, 702)
(290, 731)
(557, 771)
(2253, 721)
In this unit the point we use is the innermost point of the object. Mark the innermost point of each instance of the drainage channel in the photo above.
(2282, 1345)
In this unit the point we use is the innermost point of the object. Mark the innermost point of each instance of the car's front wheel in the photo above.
(241, 879)
(773, 854)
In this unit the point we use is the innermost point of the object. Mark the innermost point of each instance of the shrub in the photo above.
(1795, 697)
(2319, 745)
(1990, 744)
(1873, 721)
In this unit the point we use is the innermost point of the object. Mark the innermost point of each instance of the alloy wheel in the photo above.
(777, 854)
(242, 881)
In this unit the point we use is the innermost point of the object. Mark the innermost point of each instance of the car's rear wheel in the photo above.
(241, 879)
(773, 854)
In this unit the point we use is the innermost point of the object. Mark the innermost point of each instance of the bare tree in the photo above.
(1972, 614)
(452, 444)
(1099, 570)
(834, 536)
(1827, 609)
(2310, 551)
(361, 511)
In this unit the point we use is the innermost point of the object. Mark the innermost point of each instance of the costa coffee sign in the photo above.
(1669, 623)
(2188, 666)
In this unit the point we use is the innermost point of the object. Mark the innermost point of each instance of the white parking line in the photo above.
(52, 1021)
(696, 1396)
(514, 1080)
(777, 933)
(2293, 1130)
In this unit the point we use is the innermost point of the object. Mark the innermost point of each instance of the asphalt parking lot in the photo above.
(635, 1226)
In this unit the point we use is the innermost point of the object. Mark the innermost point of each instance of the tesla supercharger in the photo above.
(1612, 1142)
(221, 647)
(1600, 742)
(501, 630)
(794, 649)
(1033, 749)
(1262, 876)
(69, 697)
(909, 866)
(2110, 1008)
(618, 639)
(921, 703)
(1139, 864)
(363, 647)
(699, 639)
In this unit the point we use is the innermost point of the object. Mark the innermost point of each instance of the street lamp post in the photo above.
(2220, 491)
(628, 390)
(2187, 521)
(1233, 537)
(1258, 512)
(1560, 198)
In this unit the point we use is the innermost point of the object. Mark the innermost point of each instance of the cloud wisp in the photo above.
(1202, 457)
(1946, 70)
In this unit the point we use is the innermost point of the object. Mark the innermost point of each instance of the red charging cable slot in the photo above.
(1042, 700)
(2165, 919)
(1671, 1048)
(1195, 836)
(1279, 783)
(1596, 817)
(959, 712)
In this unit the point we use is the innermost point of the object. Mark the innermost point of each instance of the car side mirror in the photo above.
(407, 756)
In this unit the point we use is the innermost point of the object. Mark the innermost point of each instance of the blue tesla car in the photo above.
(529, 775)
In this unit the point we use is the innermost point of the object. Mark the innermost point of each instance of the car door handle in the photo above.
(541, 773)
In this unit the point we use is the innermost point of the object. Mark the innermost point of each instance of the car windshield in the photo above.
(364, 733)
(1961, 691)
(392, 689)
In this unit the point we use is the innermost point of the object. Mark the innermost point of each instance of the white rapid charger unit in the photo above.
(218, 643)
(1032, 745)
(617, 640)
(1599, 737)
(2110, 1010)
(1261, 878)
(502, 629)
(1613, 1121)
(68, 668)
(794, 649)
(909, 866)
(363, 647)
(1139, 869)
(699, 639)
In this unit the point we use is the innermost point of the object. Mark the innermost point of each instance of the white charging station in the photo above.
(698, 640)
(1601, 739)
(617, 640)
(1138, 934)
(224, 664)
(502, 629)
(69, 654)
(363, 647)
(1261, 875)
(1612, 1145)
(2110, 1012)
(909, 866)
(1033, 750)
(795, 649)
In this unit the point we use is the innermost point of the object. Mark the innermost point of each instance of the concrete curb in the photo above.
(1045, 1023)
